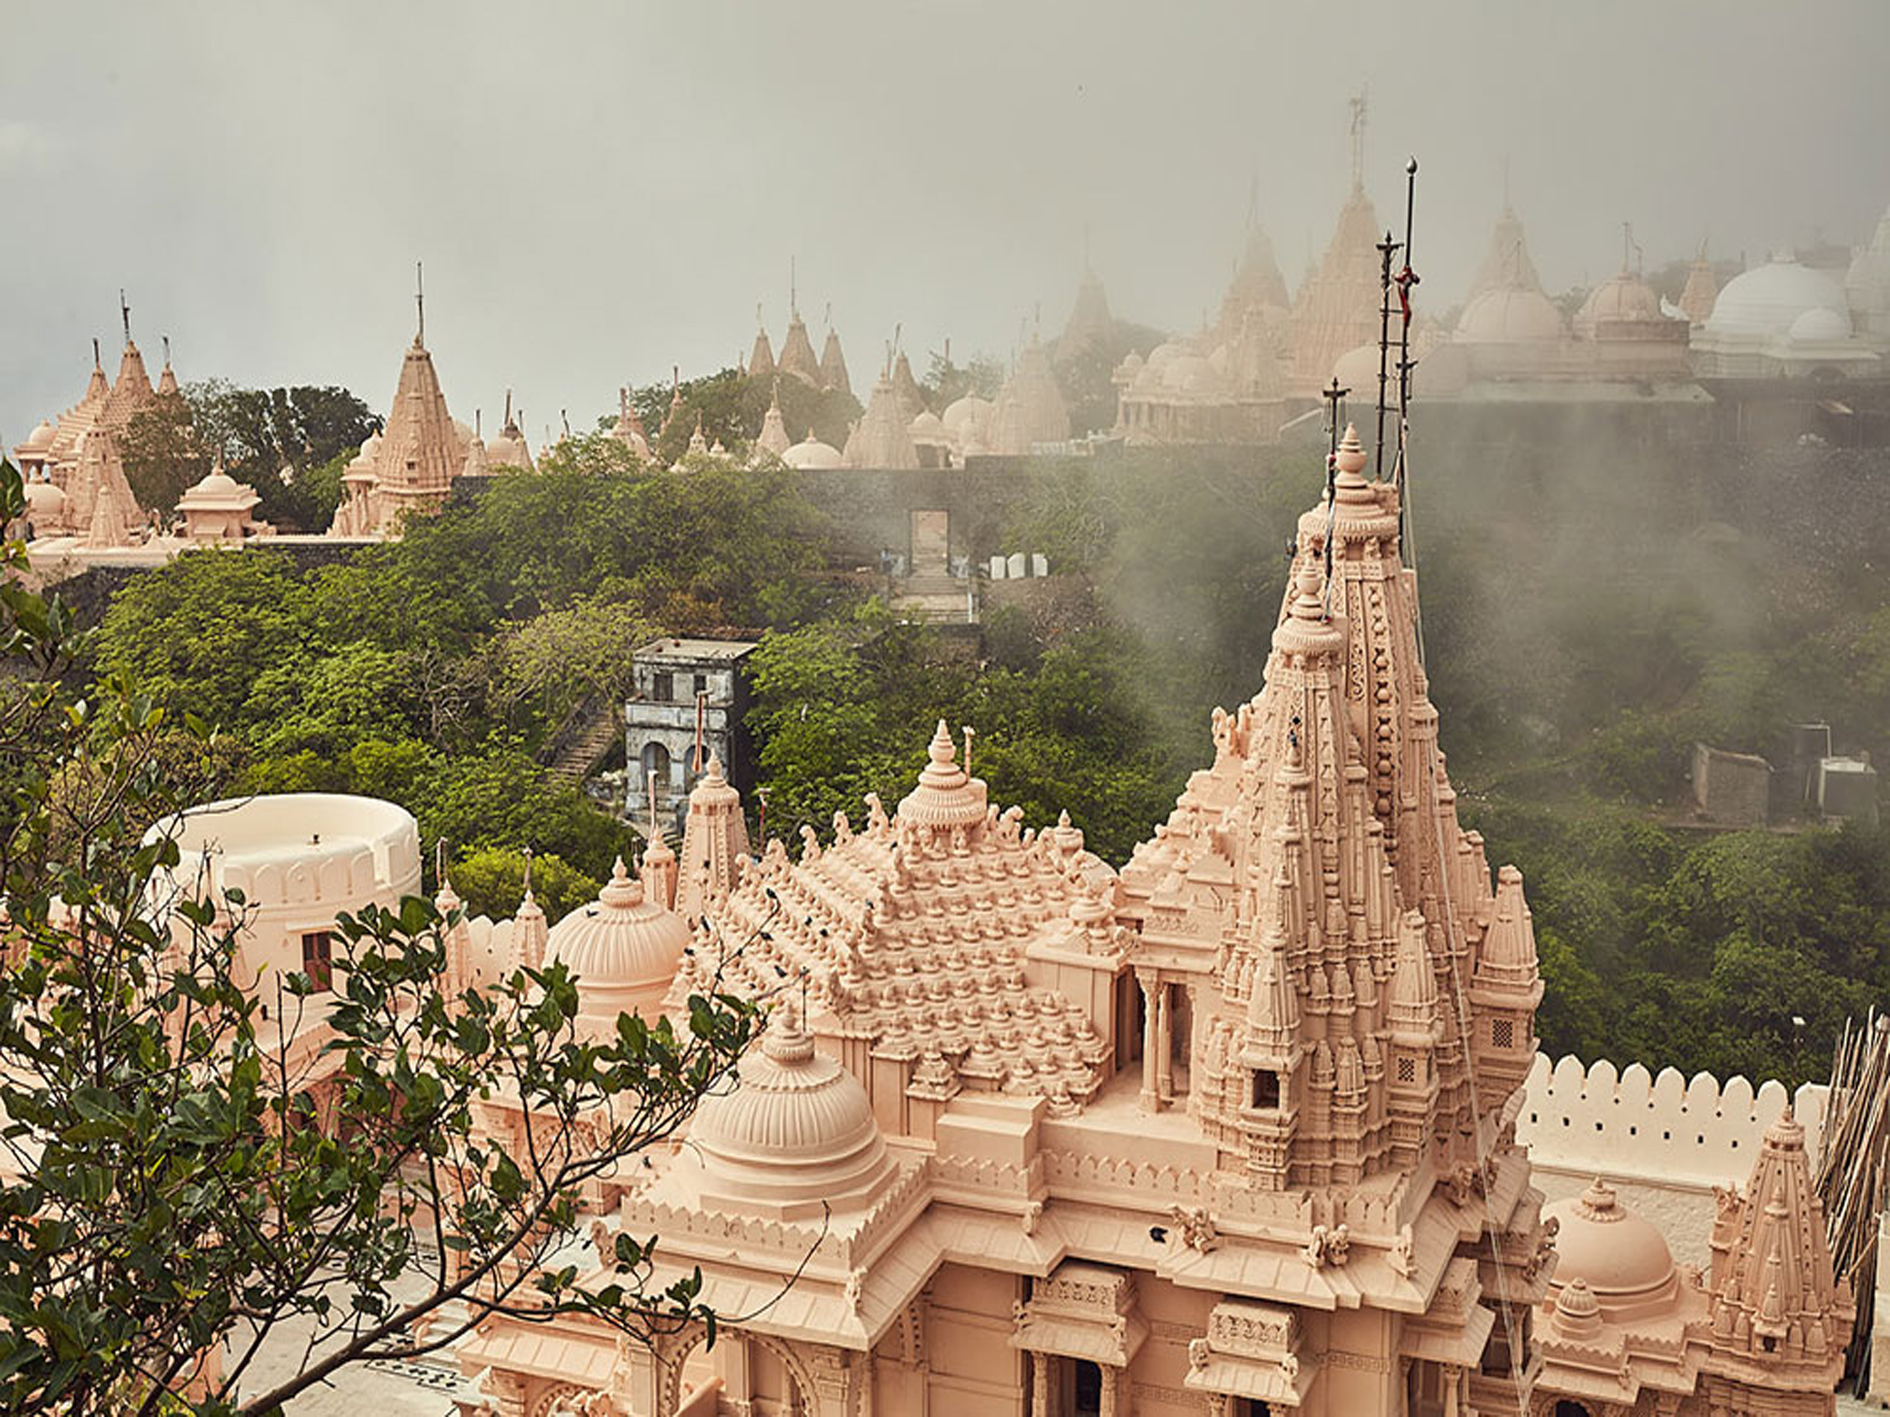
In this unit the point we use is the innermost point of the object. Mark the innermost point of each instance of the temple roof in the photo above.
(797, 352)
(833, 365)
(915, 930)
(883, 437)
(1029, 408)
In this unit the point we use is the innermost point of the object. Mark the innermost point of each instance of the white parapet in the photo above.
(1663, 1142)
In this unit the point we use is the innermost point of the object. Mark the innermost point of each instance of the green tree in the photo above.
(491, 881)
(177, 1181)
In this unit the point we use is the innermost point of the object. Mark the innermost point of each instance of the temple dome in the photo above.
(928, 430)
(1357, 370)
(1768, 299)
(623, 947)
(45, 503)
(1619, 1256)
(1620, 298)
(967, 419)
(810, 452)
(39, 439)
(796, 1132)
(1819, 326)
(1508, 315)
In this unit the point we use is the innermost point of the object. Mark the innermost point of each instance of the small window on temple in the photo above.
(316, 958)
(1266, 1089)
(1503, 1032)
(664, 689)
(1407, 1070)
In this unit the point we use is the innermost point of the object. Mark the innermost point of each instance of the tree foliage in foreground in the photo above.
(175, 1176)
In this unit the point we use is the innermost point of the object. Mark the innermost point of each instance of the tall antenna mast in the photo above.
(1386, 250)
(420, 304)
(1358, 139)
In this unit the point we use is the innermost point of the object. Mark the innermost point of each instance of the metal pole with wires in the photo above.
(1386, 250)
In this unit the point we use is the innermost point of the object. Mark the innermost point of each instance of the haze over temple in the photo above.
(910, 934)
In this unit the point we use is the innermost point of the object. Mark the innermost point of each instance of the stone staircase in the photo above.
(584, 737)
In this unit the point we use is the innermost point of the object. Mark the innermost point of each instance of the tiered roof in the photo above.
(1029, 408)
(1337, 309)
(915, 933)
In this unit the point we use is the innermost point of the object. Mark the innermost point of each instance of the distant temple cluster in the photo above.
(1244, 1128)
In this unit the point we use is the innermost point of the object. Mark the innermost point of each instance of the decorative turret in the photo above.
(911, 400)
(628, 429)
(1507, 988)
(100, 506)
(797, 352)
(883, 438)
(529, 930)
(623, 947)
(1780, 1317)
(455, 939)
(1701, 290)
(774, 435)
(420, 450)
(833, 364)
(715, 843)
(1029, 408)
(658, 869)
(761, 357)
(167, 379)
(509, 448)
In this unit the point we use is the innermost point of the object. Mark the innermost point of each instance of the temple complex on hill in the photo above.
(1244, 1127)
(408, 467)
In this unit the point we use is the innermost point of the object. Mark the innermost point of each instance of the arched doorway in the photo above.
(1567, 1408)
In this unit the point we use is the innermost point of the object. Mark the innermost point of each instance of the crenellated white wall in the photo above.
(1662, 1142)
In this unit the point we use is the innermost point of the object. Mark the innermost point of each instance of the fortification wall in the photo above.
(1663, 1142)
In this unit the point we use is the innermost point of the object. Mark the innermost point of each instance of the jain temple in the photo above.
(1255, 1126)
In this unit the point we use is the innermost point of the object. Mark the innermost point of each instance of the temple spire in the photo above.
(419, 304)
(1358, 139)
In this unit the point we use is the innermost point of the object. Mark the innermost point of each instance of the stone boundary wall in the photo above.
(1665, 1129)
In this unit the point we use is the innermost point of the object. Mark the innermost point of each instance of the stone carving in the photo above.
(1327, 1247)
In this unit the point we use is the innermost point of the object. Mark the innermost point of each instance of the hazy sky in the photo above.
(601, 190)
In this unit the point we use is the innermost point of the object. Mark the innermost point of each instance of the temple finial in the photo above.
(124, 310)
(419, 305)
(97, 363)
(1358, 139)
(793, 290)
(167, 348)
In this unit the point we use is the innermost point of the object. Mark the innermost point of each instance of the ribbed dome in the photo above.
(1509, 316)
(1620, 1257)
(623, 947)
(1819, 326)
(946, 796)
(810, 452)
(1766, 300)
(1623, 297)
(1357, 370)
(928, 429)
(967, 418)
(40, 438)
(795, 1132)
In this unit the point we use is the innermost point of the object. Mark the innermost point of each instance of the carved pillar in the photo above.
(1039, 1385)
(1164, 1037)
(1216, 1404)
(1151, 1043)
(1111, 1379)
(1453, 1386)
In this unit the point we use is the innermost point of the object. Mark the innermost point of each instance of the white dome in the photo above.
(1819, 326)
(796, 1133)
(811, 453)
(928, 428)
(1624, 297)
(1357, 370)
(45, 502)
(967, 418)
(40, 439)
(623, 947)
(1508, 316)
(1768, 299)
